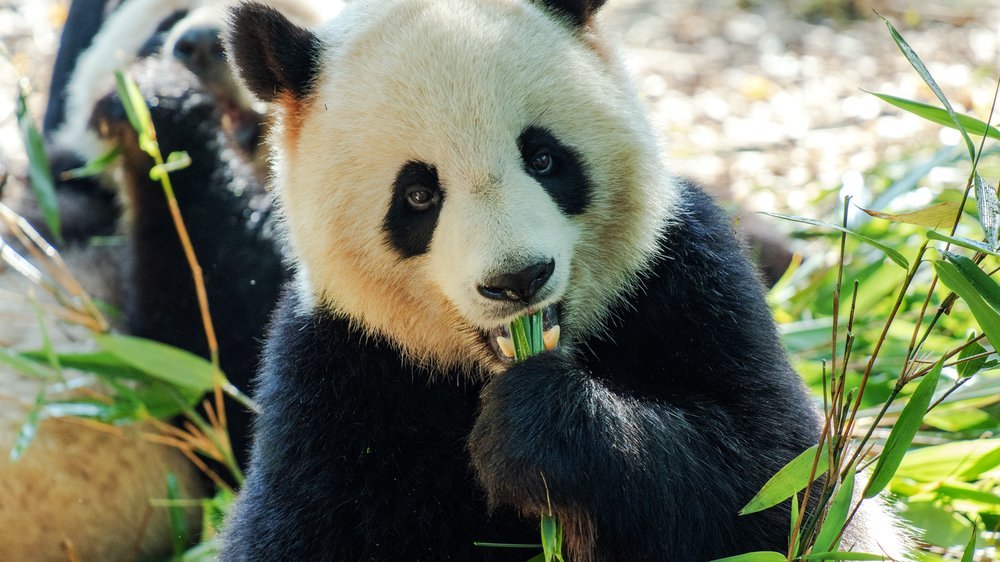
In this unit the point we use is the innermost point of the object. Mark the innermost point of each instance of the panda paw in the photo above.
(528, 432)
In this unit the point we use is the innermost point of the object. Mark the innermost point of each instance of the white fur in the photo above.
(393, 89)
(115, 47)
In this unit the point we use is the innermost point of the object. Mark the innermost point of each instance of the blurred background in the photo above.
(761, 99)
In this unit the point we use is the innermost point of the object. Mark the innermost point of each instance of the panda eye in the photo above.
(421, 198)
(541, 163)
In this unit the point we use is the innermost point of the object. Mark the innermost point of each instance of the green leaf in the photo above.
(178, 522)
(539, 558)
(961, 460)
(932, 216)
(175, 161)
(794, 515)
(29, 429)
(989, 210)
(940, 116)
(39, 171)
(27, 365)
(973, 366)
(135, 107)
(94, 167)
(959, 418)
(960, 491)
(759, 556)
(903, 431)
(925, 74)
(983, 284)
(842, 556)
(836, 517)
(985, 315)
(97, 362)
(551, 538)
(161, 361)
(894, 255)
(792, 478)
(970, 549)
(963, 242)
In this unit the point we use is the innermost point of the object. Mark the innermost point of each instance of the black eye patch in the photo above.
(564, 178)
(409, 229)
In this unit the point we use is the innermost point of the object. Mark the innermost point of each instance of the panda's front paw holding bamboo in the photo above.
(532, 420)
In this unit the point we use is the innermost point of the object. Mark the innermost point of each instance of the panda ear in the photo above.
(273, 56)
(578, 12)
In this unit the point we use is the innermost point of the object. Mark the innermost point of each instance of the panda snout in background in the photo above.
(200, 49)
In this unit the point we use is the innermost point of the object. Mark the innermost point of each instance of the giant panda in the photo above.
(443, 167)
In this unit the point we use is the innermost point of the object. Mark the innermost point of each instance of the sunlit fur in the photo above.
(391, 91)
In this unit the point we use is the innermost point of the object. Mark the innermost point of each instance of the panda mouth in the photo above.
(502, 344)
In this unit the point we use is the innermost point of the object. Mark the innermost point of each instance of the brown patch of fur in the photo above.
(293, 112)
(594, 40)
(579, 536)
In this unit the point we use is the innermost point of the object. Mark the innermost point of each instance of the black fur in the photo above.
(578, 12)
(410, 230)
(82, 23)
(649, 440)
(567, 183)
(273, 55)
(359, 456)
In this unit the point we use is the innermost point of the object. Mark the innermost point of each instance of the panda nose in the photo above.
(520, 285)
(198, 47)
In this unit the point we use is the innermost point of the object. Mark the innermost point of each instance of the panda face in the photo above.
(450, 166)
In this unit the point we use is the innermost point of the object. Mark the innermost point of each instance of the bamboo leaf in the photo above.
(932, 216)
(983, 283)
(970, 549)
(26, 364)
(178, 522)
(760, 556)
(836, 517)
(175, 161)
(788, 481)
(842, 556)
(925, 74)
(29, 429)
(551, 537)
(97, 362)
(39, 171)
(985, 315)
(960, 460)
(894, 255)
(902, 433)
(971, 367)
(963, 242)
(94, 167)
(135, 106)
(160, 361)
(940, 116)
(989, 210)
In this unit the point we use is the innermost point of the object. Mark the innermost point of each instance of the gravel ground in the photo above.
(761, 100)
